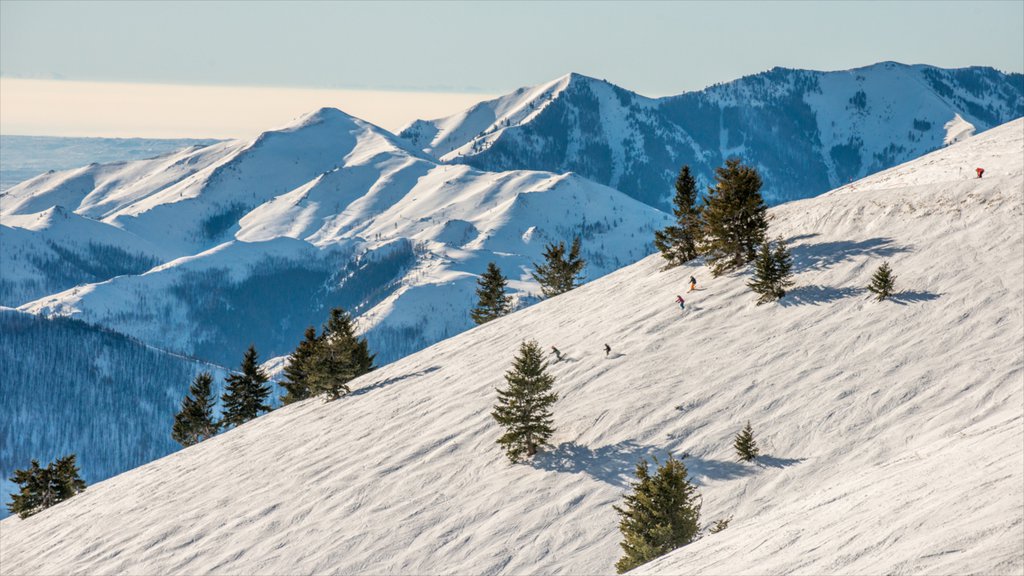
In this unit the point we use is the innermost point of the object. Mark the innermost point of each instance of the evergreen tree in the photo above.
(734, 218)
(883, 282)
(772, 271)
(560, 272)
(246, 392)
(661, 514)
(745, 445)
(194, 423)
(524, 406)
(492, 301)
(300, 364)
(339, 358)
(41, 487)
(678, 243)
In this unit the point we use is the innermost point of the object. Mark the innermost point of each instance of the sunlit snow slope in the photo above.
(893, 431)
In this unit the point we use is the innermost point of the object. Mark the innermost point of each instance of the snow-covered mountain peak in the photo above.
(806, 131)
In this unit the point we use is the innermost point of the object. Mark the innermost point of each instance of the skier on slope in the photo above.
(693, 284)
(980, 171)
(681, 302)
(557, 353)
(607, 350)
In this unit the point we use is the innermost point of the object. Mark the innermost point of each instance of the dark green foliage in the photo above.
(194, 422)
(300, 364)
(661, 514)
(560, 272)
(492, 301)
(246, 392)
(524, 406)
(734, 216)
(678, 243)
(745, 445)
(117, 397)
(40, 488)
(883, 282)
(339, 357)
(772, 271)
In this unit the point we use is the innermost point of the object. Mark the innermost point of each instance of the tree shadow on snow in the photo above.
(912, 297)
(826, 254)
(613, 464)
(708, 469)
(392, 380)
(794, 239)
(773, 462)
(815, 294)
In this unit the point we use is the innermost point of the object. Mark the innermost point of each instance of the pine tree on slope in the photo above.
(662, 514)
(340, 357)
(194, 423)
(41, 487)
(678, 243)
(745, 445)
(298, 368)
(734, 218)
(524, 406)
(772, 271)
(246, 392)
(492, 301)
(883, 282)
(560, 272)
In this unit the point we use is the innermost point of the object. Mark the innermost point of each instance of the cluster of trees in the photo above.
(321, 364)
(245, 397)
(728, 227)
(41, 487)
(561, 271)
(326, 363)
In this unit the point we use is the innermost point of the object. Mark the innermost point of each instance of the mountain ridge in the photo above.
(836, 125)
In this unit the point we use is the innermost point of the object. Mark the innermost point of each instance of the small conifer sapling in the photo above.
(883, 283)
(745, 445)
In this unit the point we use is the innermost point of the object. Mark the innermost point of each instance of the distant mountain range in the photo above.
(208, 249)
(806, 131)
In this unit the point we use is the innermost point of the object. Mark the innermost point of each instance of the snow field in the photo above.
(893, 431)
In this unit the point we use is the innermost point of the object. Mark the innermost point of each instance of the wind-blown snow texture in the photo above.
(893, 431)
(806, 131)
(257, 240)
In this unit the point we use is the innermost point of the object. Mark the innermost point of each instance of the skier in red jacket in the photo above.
(980, 171)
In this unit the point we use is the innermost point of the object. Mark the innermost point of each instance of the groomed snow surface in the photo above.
(893, 431)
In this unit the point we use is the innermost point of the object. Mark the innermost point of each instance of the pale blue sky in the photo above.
(243, 67)
(655, 48)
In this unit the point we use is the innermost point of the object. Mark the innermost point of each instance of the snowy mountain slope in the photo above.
(329, 211)
(894, 431)
(112, 412)
(807, 131)
(54, 250)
